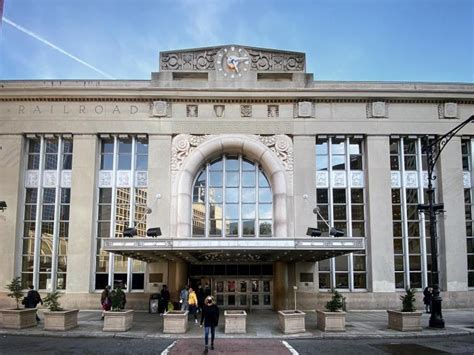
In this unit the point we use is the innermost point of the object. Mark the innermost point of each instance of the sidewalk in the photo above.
(263, 324)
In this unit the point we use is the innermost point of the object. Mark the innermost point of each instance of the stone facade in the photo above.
(271, 115)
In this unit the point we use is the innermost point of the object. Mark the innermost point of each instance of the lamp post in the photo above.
(433, 148)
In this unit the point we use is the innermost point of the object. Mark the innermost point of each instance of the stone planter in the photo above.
(118, 321)
(60, 320)
(18, 318)
(175, 322)
(404, 321)
(291, 321)
(331, 321)
(235, 321)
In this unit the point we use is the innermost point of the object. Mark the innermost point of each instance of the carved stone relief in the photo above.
(261, 60)
(448, 110)
(219, 110)
(184, 144)
(191, 110)
(304, 109)
(273, 111)
(378, 109)
(161, 109)
(246, 110)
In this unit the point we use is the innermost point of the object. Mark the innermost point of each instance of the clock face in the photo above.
(232, 62)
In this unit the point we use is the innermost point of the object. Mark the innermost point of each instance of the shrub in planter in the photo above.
(407, 319)
(117, 319)
(57, 318)
(334, 318)
(17, 318)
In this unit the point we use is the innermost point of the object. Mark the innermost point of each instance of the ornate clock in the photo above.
(232, 62)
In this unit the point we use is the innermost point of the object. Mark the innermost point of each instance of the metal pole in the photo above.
(436, 319)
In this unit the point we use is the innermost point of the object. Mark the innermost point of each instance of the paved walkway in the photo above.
(263, 324)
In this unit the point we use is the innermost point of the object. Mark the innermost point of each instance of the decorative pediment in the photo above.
(204, 59)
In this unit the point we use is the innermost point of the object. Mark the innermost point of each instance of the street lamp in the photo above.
(3, 206)
(433, 148)
(332, 231)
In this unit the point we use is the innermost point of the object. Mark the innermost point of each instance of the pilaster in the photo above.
(82, 226)
(379, 218)
(452, 249)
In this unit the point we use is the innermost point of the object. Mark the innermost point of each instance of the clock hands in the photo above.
(233, 62)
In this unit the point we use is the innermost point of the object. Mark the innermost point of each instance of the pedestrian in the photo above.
(193, 304)
(200, 297)
(105, 300)
(207, 290)
(32, 300)
(427, 298)
(183, 298)
(165, 298)
(210, 317)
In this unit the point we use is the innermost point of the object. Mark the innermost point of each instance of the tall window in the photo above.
(232, 198)
(46, 212)
(467, 163)
(411, 240)
(340, 198)
(122, 203)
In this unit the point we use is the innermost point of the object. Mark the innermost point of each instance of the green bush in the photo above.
(408, 301)
(117, 298)
(336, 303)
(15, 290)
(52, 301)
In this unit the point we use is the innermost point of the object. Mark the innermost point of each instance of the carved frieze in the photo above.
(204, 60)
(304, 109)
(377, 109)
(246, 110)
(161, 109)
(448, 110)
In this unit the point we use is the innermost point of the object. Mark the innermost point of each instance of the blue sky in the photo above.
(362, 40)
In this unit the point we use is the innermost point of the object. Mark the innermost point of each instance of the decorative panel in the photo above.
(141, 179)
(31, 178)
(466, 177)
(50, 178)
(411, 179)
(105, 178)
(124, 178)
(322, 179)
(357, 179)
(395, 178)
(339, 179)
(66, 178)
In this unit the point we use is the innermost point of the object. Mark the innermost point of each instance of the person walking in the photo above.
(165, 298)
(105, 300)
(210, 318)
(193, 304)
(200, 297)
(427, 298)
(183, 298)
(32, 300)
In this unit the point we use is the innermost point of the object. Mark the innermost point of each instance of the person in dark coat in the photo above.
(210, 318)
(32, 300)
(165, 298)
(427, 298)
(200, 296)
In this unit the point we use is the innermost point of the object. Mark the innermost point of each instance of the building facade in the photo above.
(234, 152)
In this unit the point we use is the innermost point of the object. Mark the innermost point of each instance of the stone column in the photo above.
(379, 215)
(177, 278)
(280, 285)
(11, 153)
(304, 183)
(159, 181)
(452, 249)
(80, 258)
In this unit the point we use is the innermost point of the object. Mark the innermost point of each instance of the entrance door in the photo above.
(253, 293)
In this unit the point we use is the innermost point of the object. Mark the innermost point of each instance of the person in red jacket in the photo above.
(210, 317)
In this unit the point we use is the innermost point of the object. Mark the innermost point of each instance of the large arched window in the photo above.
(232, 198)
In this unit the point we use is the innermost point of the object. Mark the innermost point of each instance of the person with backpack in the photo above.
(210, 318)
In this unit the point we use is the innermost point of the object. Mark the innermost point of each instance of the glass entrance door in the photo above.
(253, 293)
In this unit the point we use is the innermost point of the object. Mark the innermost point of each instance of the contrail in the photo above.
(29, 33)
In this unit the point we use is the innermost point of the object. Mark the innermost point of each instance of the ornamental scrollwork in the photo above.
(183, 145)
(282, 146)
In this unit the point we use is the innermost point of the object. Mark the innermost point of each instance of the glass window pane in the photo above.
(248, 227)
(48, 213)
(248, 166)
(339, 212)
(341, 263)
(232, 179)
(322, 163)
(49, 195)
(342, 280)
(215, 178)
(248, 195)
(50, 161)
(322, 195)
(265, 228)
(339, 195)
(356, 162)
(265, 211)
(106, 162)
(216, 166)
(232, 164)
(215, 211)
(142, 162)
(248, 179)
(265, 195)
(215, 227)
(105, 195)
(360, 280)
(33, 162)
(322, 147)
(31, 195)
(410, 162)
(232, 227)
(67, 162)
(357, 195)
(324, 280)
(125, 146)
(215, 195)
(124, 162)
(262, 180)
(142, 146)
(34, 145)
(248, 211)
(51, 146)
(232, 211)
(232, 195)
(338, 162)
(338, 147)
